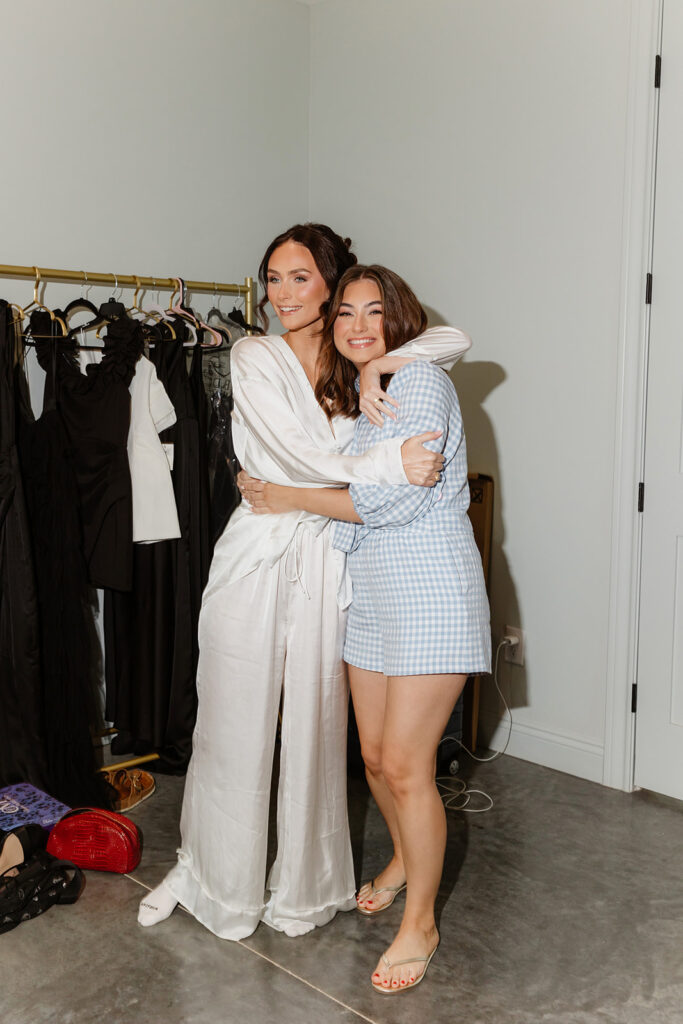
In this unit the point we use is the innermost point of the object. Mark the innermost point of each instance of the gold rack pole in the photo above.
(133, 762)
(131, 281)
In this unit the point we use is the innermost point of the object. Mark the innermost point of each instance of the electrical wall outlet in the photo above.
(515, 655)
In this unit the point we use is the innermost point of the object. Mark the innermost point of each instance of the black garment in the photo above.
(151, 634)
(201, 564)
(223, 464)
(95, 411)
(69, 645)
(21, 723)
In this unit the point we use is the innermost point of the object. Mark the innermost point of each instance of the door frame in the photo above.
(631, 393)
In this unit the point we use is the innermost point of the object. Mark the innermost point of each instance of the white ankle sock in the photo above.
(156, 906)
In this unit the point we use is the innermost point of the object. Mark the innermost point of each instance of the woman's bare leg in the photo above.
(369, 693)
(417, 711)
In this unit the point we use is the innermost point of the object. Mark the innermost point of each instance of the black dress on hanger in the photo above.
(95, 410)
(151, 634)
(22, 734)
(69, 646)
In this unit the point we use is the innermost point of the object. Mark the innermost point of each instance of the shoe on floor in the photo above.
(37, 885)
(19, 845)
(393, 890)
(132, 786)
(426, 960)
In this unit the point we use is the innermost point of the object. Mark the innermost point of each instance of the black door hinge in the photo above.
(634, 697)
(648, 289)
(641, 497)
(658, 70)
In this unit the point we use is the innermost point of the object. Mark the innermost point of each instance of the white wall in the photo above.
(480, 150)
(150, 137)
(153, 137)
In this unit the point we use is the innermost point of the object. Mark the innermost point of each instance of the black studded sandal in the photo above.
(35, 886)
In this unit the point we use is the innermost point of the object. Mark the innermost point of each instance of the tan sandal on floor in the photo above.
(426, 960)
(132, 787)
(393, 889)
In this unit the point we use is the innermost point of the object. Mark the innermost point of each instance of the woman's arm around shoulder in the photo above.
(443, 346)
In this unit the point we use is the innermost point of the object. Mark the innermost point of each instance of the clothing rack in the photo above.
(133, 281)
(87, 277)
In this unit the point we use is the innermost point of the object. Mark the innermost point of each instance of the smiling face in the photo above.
(358, 328)
(296, 288)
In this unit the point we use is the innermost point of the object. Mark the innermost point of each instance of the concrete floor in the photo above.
(562, 904)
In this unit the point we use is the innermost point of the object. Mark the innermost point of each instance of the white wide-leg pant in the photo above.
(277, 630)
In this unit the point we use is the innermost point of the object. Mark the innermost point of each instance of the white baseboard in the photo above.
(552, 750)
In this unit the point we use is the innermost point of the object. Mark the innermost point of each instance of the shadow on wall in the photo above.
(474, 381)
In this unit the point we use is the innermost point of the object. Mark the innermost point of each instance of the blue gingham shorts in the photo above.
(419, 603)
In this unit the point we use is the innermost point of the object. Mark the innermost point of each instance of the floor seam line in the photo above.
(137, 881)
(309, 984)
(280, 967)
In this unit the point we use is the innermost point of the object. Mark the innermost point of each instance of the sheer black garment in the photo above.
(95, 410)
(69, 646)
(22, 734)
(151, 634)
(200, 570)
(223, 464)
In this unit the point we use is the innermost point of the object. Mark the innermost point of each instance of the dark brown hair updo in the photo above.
(403, 318)
(331, 253)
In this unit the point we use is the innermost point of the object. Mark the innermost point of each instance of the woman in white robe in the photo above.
(272, 625)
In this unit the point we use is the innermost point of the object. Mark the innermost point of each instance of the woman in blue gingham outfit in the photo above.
(419, 601)
(419, 621)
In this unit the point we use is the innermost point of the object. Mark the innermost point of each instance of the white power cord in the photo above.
(446, 783)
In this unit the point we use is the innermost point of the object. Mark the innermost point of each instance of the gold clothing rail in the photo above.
(86, 277)
(134, 281)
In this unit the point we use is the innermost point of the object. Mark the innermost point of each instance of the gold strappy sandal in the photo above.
(426, 960)
(393, 889)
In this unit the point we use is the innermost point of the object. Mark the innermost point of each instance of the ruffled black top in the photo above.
(95, 409)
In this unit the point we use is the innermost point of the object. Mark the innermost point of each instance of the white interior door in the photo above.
(659, 718)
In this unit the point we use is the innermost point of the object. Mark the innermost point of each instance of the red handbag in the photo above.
(98, 840)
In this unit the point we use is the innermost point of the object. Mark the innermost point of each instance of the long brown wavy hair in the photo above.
(331, 253)
(403, 318)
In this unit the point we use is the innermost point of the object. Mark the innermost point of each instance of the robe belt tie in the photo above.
(294, 550)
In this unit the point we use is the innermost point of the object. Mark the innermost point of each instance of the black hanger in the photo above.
(111, 309)
(238, 317)
(203, 331)
(226, 336)
(181, 308)
(153, 333)
(82, 303)
(224, 318)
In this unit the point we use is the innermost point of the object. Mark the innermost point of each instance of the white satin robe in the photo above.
(271, 626)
